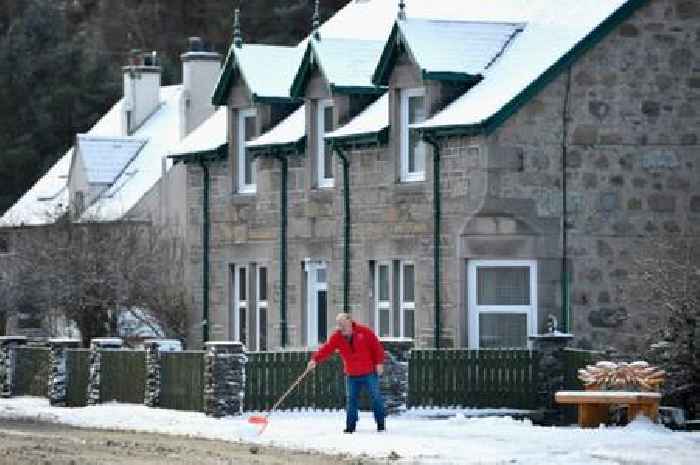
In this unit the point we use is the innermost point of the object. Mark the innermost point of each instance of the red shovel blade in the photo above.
(259, 420)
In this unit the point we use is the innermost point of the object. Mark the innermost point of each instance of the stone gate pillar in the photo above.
(550, 376)
(224, 378)
(152, 391)
(7, 363)
(58, 376)
(95, 362)
(394, 383)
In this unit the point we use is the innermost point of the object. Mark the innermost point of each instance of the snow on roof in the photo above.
(347, 62)
(373, 119)
(47, 199)
(456, 46)
(551, 32)
(161, 129)
(290, 130)
(209, 136)
(267, 69)
(106, 157)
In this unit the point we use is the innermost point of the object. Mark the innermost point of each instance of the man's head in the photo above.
(344, 323)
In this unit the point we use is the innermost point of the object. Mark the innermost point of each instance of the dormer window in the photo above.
(324, 154)
(412, 149)
(246, 164)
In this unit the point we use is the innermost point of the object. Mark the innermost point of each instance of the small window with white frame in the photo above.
(408, 299)
(502, 303)
(394, 295)
(261, 308)
(412, 149)
(247, 130)
(324, 154)
(240, 303)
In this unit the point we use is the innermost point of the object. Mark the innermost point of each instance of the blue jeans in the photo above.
(353, 384)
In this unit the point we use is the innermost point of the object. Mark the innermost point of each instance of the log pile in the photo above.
(635, 375)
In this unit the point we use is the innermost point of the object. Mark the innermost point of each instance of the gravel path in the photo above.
(32, 443)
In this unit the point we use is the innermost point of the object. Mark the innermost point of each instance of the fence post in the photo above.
(224, 378)
(152, 391)
(95, 362)
(550, 376)
(394, 383)
(7, 363)
(58, 378)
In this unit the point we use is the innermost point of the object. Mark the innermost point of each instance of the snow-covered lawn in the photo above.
(415, 437)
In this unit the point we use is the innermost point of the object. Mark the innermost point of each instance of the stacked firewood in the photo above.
(605, 375)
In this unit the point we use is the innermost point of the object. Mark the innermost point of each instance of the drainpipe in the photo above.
(565, 275)
(428, 137)
(346, 238)
(205, 251)
(283, 249)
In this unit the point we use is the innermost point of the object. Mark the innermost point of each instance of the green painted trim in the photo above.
(288, 148)
(367, 138)
(217, 154)
(205, 251)
(305, 68)
(273, 100)
(283, 249)
(591, 40)
(382, 72)
(351, 90)
(223, 86)
(449, 76)
(338, 149)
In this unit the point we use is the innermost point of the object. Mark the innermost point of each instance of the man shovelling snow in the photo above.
(363, 357)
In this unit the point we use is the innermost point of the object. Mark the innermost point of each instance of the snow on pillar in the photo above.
(7, 362)
(224, 378)
(97, 345)
(58, 376)
(153, 367)
(394, 382)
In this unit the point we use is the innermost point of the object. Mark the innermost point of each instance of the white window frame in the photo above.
(404, 128)
(475, 310)
(322, 181)
(260, 305)
(404, 305)
(311, 267)
(243, 187)
(239, 304)
(386, 304)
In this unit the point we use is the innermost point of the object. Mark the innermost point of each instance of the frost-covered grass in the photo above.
(417, 439)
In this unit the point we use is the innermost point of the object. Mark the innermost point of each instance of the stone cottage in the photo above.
(453, 174)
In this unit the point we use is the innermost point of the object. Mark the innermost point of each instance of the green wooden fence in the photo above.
(269, 374)
(472, 378)
(31, 376)
(123, 376)
(182, 381)
(77, 372)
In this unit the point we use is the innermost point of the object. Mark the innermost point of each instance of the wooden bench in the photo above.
(593, 406)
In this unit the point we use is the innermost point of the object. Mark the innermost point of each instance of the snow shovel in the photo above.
(264, 419)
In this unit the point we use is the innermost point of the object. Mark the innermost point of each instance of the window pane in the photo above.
(384, 323)
(416, 110)
(321, 275)
(327, 152)
(503, 285)
(263, 329)
(416, 153)
(408, 284)
(262, 283)
(322, 315)
(242, 325)
(242, 287)
(383, 283)
(327, 119)
(502, 330)
(249, 123)
(408, 323)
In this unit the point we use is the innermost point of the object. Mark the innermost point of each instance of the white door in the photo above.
(316, 302)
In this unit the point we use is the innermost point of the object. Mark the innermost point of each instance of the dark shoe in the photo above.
(349, 430)
(380, 427)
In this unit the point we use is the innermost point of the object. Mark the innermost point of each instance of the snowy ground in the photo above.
(414, 437)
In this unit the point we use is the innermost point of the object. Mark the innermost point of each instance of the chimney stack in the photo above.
(200, 73)
(141, 89)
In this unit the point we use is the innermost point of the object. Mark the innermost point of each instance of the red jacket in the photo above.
(360, 358)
